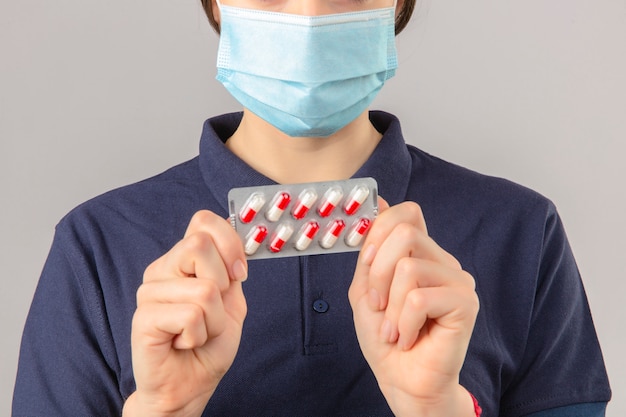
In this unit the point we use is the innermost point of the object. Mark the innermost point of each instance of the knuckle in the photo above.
(202, 218)
(414, 209)
(475, 304)
(244, 307)
(468, 293)
(198, 243)
(454, 263)
(378, 276)
(151, 271)
(352, 295)
(405, 232)
(142, 319)
(415, 299)
(408, 266)
(355, 292)
(192, 314)
(206, 291)
(468, 280)
(142, 294)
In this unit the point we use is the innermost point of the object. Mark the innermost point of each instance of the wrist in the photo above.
(457, 402)
(477, 409)
(134, 406)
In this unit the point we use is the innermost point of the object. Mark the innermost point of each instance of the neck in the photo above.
(296, 160)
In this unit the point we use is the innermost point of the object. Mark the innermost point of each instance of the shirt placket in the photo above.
(326, 313)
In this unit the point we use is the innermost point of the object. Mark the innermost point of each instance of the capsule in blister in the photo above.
(280, 237)
(331, 234)
(331, 198)
(279, 220)
(305, 201)
(306, 235)
(255, 237)
(355, 234)
(356, 197)
(251, 207)
(277, 206)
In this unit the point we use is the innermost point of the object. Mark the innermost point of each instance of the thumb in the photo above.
(382, 204)
(359, 286)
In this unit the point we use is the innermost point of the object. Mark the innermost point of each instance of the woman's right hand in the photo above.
(187, 326)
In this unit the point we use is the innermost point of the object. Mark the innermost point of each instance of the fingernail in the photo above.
(239, 271)
(374, 299)
(368, 254)
(385, 331)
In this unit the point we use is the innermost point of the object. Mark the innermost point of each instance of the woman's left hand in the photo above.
(414, 312)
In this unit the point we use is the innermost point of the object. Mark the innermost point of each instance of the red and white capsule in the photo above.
(357, 196)
(252, 206)
(331, 198)
(255, 237)
(357, 231)
(306, 235)
(332, 233)
(305, 201)
(280, 237)
(277, 206)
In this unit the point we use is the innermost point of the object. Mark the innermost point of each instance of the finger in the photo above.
(177, 291)
(438, 312)
(202, 260)
(407, 212)
(367, 323)
(161, 326)
(386, 221)
(411, 274)
(194, 256)
(388, 218)
(404, 241)
(405, 280)
(203, 293)
(195, 302)
(226, 240)
(408, 240)
(382, 204)
(235, 302)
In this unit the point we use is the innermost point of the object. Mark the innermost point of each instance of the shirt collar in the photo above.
(389, 164)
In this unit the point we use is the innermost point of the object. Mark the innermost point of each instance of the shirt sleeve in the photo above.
(562, 363)
(67, 365)
(578, 410)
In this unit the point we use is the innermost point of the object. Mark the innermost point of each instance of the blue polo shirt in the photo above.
(534, 346)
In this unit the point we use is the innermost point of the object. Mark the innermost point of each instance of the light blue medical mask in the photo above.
(306, 75)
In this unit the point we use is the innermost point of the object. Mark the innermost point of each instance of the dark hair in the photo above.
(402, 19)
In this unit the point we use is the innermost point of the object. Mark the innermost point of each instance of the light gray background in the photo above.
(97, 94)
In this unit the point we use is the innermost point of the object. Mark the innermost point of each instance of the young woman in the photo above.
(142, 308)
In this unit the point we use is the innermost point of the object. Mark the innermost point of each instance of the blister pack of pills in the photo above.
(303, 219)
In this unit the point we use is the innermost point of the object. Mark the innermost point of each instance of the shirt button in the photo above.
(320, 306)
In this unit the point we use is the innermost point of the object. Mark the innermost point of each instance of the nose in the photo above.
(311, 7)
(308, 7)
